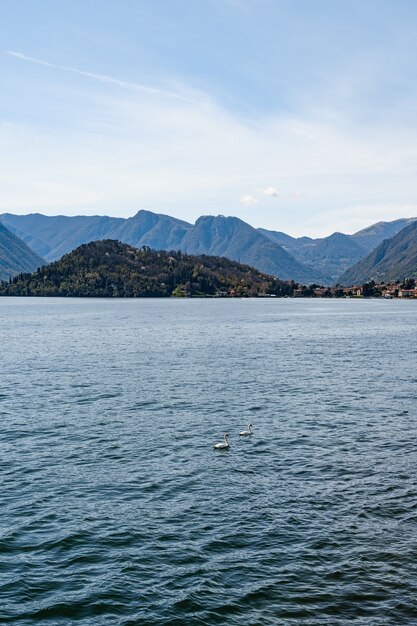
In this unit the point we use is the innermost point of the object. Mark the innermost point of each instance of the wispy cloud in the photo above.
(270, 191)
(248, 200)
(103, 78)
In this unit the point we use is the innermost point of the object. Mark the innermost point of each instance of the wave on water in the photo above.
(117, 510)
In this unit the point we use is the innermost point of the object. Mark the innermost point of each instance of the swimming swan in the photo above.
(224, 445)
(245, 433)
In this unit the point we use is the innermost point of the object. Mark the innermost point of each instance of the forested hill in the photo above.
(112, 269)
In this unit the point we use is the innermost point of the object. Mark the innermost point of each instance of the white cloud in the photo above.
(270, 191)
(248, 200)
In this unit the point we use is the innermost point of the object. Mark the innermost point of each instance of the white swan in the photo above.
(224, 444)
(245, 433)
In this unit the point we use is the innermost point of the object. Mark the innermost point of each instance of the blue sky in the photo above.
(295, 115)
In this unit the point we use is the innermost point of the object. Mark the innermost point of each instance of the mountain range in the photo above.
(373, 235)
(15, 255)
(392, 259)
(329, 255)
(219, 236)
(304, 259)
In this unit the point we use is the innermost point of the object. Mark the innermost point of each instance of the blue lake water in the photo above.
(115, 509)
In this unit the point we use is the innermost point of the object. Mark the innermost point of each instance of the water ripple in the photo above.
(117, 511)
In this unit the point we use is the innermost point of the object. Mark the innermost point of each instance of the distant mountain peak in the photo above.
(371, 236)
(220, 218)
(144, 213)
(382, 223)
(393, 259)
(231, 237)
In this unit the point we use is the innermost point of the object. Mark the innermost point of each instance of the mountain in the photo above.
(333, 255)
(160, 232)
(284, 240)
(394, 259)
(373, 235)
(53, 236)
(330, 256)
(302, 259)
(112, 269)
(15, 255)
(222, 236)
(235, 239)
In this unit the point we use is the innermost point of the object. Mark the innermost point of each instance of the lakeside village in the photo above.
(399, 289)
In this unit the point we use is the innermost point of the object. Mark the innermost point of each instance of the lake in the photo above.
(116, 510)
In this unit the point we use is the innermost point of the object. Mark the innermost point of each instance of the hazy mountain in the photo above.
(53, 236)
(373, 235)
(229, 237)
(160, 232)
(302, 259)
(235, 239)
(394, 259)
(15, 255)
(335, 254)
(330, 256)
(112, 269)
(284, 240)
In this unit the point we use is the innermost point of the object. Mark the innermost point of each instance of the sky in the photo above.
(294, 115)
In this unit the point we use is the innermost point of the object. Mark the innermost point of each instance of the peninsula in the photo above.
(110, 268)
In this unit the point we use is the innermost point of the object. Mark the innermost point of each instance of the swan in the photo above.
(224, 444)
(245, 433)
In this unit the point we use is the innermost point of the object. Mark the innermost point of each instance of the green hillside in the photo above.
(112, 269)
